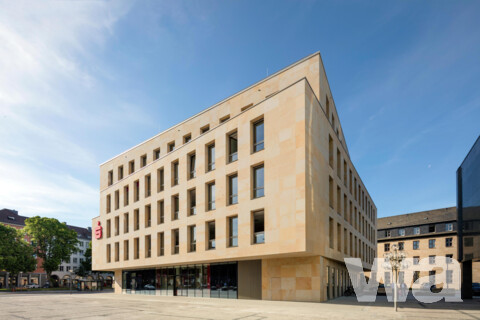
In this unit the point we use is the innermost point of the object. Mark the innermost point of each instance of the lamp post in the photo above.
(395, 260)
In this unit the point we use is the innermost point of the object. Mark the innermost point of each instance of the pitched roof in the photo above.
(418, 218)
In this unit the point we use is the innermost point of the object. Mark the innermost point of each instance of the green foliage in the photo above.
(16, 255)
(54, 241)
(86, 265)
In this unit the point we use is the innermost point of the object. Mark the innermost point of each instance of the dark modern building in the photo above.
(468, 207)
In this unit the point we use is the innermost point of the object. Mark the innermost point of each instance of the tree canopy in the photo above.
(54, 241)
(16, 255)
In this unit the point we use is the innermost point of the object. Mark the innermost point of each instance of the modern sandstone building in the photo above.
(255, 197)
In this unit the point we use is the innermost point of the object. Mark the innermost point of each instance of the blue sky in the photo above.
(82, 81)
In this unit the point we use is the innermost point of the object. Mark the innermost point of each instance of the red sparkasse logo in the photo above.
(98, 231)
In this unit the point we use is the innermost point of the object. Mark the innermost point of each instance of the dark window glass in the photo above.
(258, 182)
(192, 202)
(176, 241)
(258, 136)
(211, 196)
(176, 207)
(233, 231)
(211, 157)
(258, 227)
(211, 235)
(193, 238)
(175, 173)
(192, 166)
(233, 189)
(232, 147)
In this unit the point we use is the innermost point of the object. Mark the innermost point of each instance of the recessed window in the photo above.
(416, 245)
(431, 259)
(388, 233)
(416, 260)
(248, 106)
(387, 247)
(431, 243)
(449, 227)
(109, 203)
(126, 192)
(117, 252)
(125, 222)
(109, 255)
(175, 207)
(148, 246)
(204, 129)
(191, 166)
(233, 231)
(125, 250)
(448, 242)
(160, 244)
(468, 242)
(171, 146)
(156, 154)
(117, 199)
(258, 227)
(431, 228)
(148, 186)
(449, 258)
(416, 230)
(192, 202)
(131, 167)
(143, 161)
(108, 228)
(120, 173)
(258, 136)
(136, 248)
(401, 232)
(175, 241)
(258, 182)
(136, 190)
(192, 238)
(223, 119)
(160, 212)
(136, 219)
(148, 216)
(401, 245)
(187, 138)
(233, 189)
(232, 147)
(211, 235)
(175, 173)
(110, 177)
(160, 180)
(117, 225)
(211, 157)
(211, 196)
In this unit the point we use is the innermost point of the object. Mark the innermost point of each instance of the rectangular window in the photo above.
(223, 119)
(431, 243)
(120, 172)
(449, 227)
(431, 228)
(416, 260)
(233, 189)
(148, 216)
(258, 182)
(211, 157)
(416, 245)
(258, 227)
(401, 232)
(330, 151)
(339, 200)
(339, 161)
(330, 233)
(431, 259)
(109, 203)
(175, 207)
(233, 231)
(156, 154)
(191, 166)
(416, 230)
(117, 225)
(160, 212)
(148, 186)
(136, 248)
(192, 202)
(109, 253)
(232, 147)
(258, 136)
(387, 247)
(345, 170)
(136, 220)
(416, 275)
(175, 173)
(388, 233)
(330, 192)
(125, 196)
(401, 245)
(125, 250)
(125, 222)
(211, 235)
(160, 180)
(148, 246)
(143, 161)
(192, 238)
(136, 190)
(131, 167)
(248, 106)
(468, 242)
(108, 228)
(187, 138)
(449, 258)
(171, 146)
(160, 244)
(339, 237)
(117, 252)
(175, 241)
(448, 242)
(211, 196)
(204, 129)
(117, 199)
(110, 177)
(345, 206)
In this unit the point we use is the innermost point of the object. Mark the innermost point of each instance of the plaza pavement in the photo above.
(110, 306)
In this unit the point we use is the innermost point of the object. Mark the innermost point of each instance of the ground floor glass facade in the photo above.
(201, 280)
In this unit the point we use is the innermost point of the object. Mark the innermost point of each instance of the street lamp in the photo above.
(395, 260)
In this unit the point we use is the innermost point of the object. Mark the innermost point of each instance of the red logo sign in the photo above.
(98, 231)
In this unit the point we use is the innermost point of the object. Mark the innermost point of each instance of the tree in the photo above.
(54, 241)
(86, 265)
(16, 255)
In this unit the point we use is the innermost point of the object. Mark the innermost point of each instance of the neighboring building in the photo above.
(255, 197)
(38, 276)
(468, 205)
(427, 234)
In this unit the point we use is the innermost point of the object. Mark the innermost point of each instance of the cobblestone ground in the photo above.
(111, 306)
